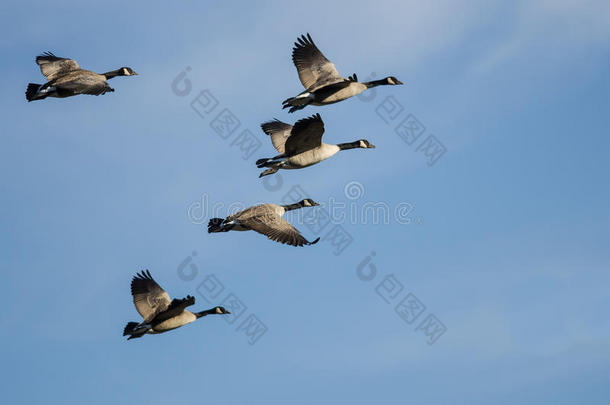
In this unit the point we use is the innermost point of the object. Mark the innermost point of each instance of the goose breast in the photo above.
(177, 321)
(312, 156)
(323, 96)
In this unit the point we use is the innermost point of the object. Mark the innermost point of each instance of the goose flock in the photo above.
(298, 146)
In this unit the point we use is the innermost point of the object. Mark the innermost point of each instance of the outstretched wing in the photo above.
(314, 69)
(148, 296)
(275, 228)
(306, 134)
(278, 131)
(53, 66)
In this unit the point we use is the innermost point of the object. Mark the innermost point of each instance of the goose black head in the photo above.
(363, 143)
(308, 202)
(212, 311)
(127, 71)
(391, 80)
(221, 310)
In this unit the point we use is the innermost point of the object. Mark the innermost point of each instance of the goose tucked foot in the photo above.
(260, 163)
(299, 102)
(135, 330)
(294, 108)
(272, 170)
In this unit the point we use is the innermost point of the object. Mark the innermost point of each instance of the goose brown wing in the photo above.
(314, 69)
(276, 228)
(278, 131)
(148, 296)
(83, 82)
(52, 66)
(306, 134)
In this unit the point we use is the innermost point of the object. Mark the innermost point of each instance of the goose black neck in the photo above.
(349, 145)
(376, 83)
(294, 206)
(206, 312)
(112, 73)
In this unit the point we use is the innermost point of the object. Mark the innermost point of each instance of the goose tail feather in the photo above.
(32, 91)
(217, 225)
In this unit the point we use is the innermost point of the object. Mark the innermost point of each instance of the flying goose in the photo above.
(160, 313)
(66, 78)
(266, 219)
(323, 83)
(301, 145)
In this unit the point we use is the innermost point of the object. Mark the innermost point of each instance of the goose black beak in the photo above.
(399, 82)
(136, 73)
(227, 312)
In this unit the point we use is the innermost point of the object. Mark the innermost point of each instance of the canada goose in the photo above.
(323, 83)
(301, 145)
(266, 219)
(66, 78)
(160, 313)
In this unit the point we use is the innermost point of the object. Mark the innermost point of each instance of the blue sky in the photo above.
(507, 243)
